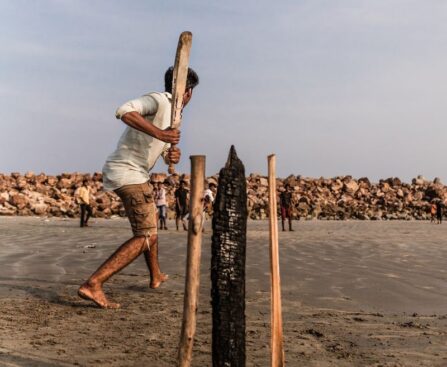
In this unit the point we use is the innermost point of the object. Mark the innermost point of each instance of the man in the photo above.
(181, 205)
(433, 211)
(208, 198)
(126, 171)
(160, 201)
(208, 201)
(83, 199)
(285, 202)
(439, 213)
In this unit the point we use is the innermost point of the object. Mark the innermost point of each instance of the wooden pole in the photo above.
(278, 358)
(192, 280)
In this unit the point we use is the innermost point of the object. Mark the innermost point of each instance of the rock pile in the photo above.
(343, 197)
(335, 198)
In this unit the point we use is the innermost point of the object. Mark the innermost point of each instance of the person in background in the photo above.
(208, 198)
(208, 201)
(181, 205)
(160, 201)
(285, 202)
(83, 199)
(439, 207)
(433, 212)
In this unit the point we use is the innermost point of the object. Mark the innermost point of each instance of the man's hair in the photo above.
(191, 81)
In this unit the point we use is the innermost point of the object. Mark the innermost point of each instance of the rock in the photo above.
(351, 186)
(39, 208)
(19, 201)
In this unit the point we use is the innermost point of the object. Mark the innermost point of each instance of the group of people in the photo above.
(181, 196)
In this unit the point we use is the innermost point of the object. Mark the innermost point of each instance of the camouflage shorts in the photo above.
(138, 201)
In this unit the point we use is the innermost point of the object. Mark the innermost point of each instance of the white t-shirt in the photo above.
(137, 152)
(160, 197)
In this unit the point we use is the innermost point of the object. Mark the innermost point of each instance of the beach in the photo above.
(354, 293)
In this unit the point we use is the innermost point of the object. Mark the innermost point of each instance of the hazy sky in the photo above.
(332, 87)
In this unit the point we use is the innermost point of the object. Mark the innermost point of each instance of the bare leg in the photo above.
(89, 214)
(126, 253)
(151, 257)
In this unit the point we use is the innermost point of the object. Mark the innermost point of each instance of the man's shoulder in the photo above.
(160, 97)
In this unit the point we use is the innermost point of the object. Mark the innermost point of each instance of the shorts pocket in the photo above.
(148, 198)
(137, 199)
(141, 212)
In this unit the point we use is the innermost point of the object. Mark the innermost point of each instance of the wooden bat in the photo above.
(179, 77)
(278, 358)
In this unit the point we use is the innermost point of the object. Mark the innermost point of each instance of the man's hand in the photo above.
(173, 155)
(169, 135)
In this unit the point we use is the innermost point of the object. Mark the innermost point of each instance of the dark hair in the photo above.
(191, 81)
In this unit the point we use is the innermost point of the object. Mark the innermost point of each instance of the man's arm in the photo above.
(138, 122)
(177, 199)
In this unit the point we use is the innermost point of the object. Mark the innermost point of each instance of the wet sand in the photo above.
(354, 294)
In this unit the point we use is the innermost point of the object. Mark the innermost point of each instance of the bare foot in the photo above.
(96, 294)
(156, 283)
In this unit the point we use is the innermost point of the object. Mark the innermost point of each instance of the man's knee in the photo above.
(145, 240)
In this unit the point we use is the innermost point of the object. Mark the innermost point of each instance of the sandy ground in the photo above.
(354, 294)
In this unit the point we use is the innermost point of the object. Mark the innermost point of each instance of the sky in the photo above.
(346, 87)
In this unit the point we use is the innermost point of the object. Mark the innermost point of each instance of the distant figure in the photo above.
(433, 210)
(285, 202)
(83, 199)
(208, 201)
(181, 205)
(208, 198)
(160, 201)
(439, 211)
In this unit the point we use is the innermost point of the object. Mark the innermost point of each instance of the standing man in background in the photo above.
(181, 205)
(83, 199)
(160, 201)
(439, 213)
(285, 202)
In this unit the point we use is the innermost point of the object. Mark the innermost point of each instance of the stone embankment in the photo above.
(336, 198)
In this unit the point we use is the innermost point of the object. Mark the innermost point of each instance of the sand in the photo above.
(354, 294)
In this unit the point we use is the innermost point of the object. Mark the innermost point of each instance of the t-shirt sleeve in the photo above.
(145, 105)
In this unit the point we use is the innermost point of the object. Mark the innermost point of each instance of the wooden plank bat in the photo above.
(179, 77)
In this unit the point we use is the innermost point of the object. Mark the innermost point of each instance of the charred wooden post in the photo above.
(228, 265)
